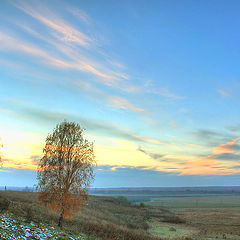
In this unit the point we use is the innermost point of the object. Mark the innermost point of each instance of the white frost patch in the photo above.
(10, 229)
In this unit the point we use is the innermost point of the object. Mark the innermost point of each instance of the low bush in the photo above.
(4, 204)
(29, 214)
(123, 200)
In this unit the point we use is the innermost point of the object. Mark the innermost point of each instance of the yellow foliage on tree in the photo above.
(66, 170)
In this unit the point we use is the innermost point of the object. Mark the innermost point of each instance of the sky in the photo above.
(155, 84)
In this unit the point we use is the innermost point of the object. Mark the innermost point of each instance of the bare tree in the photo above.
(66, 170)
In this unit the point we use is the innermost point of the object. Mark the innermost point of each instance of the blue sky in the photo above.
(155, 84)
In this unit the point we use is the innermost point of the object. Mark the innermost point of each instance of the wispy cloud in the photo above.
(9, 43)
(152, 155)
(163, 92)
(95, 125)
(69, 48)
(65, 47)
(211, 138)
(193, 145)
(227, 147)
(67, 33)
(213, 164)
(205, 134)
(225, 92)
(166, 93)
(229, 157)
(12, 44)
(81, 15)
(126, 153)
(150, 140)
(234, 128)
(116, 101)
(125, 104)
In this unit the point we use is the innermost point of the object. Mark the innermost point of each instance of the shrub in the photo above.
(142, 204)
(4, 204)
(29, 214)
(123, 200)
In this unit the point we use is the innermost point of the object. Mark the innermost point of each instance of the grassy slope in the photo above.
(108, 218)
(102, 218)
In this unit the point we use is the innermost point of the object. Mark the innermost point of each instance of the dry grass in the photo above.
(111, 218)
(219, 222)
(102, 218)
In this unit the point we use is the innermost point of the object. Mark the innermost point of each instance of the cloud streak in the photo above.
(72, 51)
(213, 164)
(227, 147)
(77, 49)
(67, 33)
(70, 38)
(163, 92)
(155, 156)
(116, 101)
(12, 44)
(97, 125)
(9, 43)
(225, 93)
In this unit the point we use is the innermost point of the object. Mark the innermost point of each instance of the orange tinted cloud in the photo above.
(66, 32)
(193, 145)
(210, 165)
(226, 148)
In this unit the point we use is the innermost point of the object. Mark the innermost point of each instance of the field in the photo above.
(212, 217)
(209, 212)
(151, 214)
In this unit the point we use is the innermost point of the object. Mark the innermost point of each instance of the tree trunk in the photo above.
(60, 220)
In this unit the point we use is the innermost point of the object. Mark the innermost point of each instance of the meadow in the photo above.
(101, 218)
(212, 217)
(168, 214)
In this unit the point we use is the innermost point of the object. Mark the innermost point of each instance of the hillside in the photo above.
(101, 218)
(109, 218)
